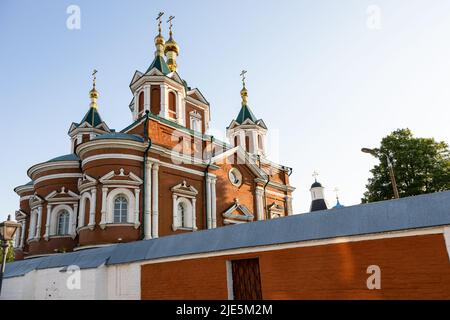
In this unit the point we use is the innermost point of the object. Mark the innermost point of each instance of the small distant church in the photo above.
(161, 175)
(318, 201)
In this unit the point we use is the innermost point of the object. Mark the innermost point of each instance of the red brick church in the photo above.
(161, 175)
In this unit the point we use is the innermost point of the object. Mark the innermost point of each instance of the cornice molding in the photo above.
(45, 166)
(117, 143)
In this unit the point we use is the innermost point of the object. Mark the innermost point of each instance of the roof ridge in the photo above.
(160, 64)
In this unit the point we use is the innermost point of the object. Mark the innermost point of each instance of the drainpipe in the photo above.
(265, 186)
(265, 198)
(206, 186)
(146, 138)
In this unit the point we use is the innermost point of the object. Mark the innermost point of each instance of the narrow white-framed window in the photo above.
(120, 209)
(181, 214)
(173, 105)
(63, 223)
(184, 207)
(184, 213)
(195, 121)
(36, 225)
(33, 224)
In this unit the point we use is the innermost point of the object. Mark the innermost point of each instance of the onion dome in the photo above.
(159, 44)
(338, 204)
(172, 49)
(93, 94)
(244, 95)
(171, 45)
(159, 63)
(316, 185)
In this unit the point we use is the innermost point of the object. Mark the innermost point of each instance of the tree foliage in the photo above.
(10, 255)
(421, 165)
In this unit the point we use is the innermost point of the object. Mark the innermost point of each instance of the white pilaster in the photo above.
(289, 205)
(22, 233)
(103, 218)
(147, 97)
(73, 221)
(32, 225)
(155, 196)
(181, 110)
(194, 214)
(136, 208)
(175, 217)
(259, 203)
(148, 201)
(164, 101)
(263, 144)
(47, 224)
(213, 203)
(136, 106)
(254, 142)
(92, 208)
(38, 228)
(17, 236)
(208, 201)
(242, 139)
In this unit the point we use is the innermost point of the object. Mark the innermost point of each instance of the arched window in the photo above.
(63, 223)
(141, 102)
(172, 105)
(155, 103)
(120, 209)
(34, 230)
(196, 121)
(236, 141)
(247, 143)
(260, 143)
(182, 214)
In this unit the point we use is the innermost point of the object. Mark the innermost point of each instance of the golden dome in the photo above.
(171, 45)
(244, 95)
(93, 93)
(159, 40)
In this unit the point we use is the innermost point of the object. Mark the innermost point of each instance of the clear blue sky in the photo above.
(318, 76)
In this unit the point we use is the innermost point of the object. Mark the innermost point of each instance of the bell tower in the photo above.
(246, 130)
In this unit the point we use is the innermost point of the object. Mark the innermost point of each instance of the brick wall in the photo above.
(414, 267)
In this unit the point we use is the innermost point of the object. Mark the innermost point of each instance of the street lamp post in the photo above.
(7, 230)
(391, 169)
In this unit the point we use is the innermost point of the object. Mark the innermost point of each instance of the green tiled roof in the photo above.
(67, 157)
(245, 114)
(92, 117)
(159, 64)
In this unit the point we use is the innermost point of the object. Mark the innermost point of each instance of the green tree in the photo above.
(10, 255)
(421, 165)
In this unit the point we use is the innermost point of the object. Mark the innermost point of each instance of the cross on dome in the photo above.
(315, 175)
(159, 21)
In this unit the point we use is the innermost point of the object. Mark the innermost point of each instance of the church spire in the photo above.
(159, 39)
(93, 94)
(159, 63)
(245, 112)
(172, 49)
(244, 92)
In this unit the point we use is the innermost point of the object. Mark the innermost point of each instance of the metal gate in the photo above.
(246, 279)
